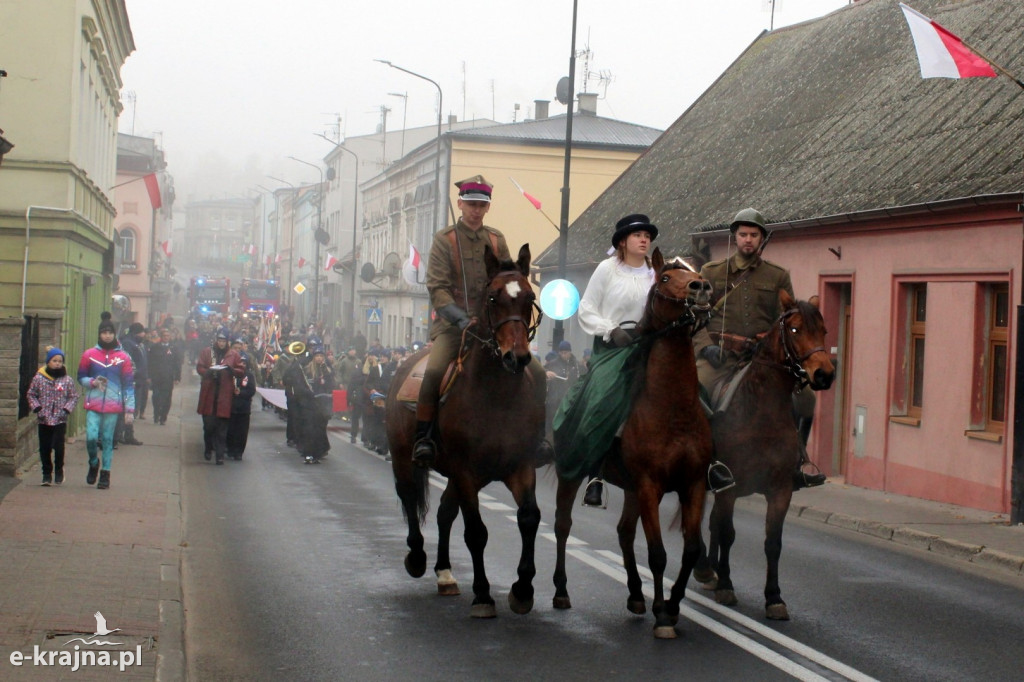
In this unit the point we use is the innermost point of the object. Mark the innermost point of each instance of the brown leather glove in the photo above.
(620, 337)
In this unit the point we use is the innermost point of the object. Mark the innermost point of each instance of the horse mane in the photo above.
(811, 315)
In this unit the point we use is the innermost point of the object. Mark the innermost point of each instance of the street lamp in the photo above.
(405, 110)
(291, 244)
(437, 156)
(355, 224)
(316, 238)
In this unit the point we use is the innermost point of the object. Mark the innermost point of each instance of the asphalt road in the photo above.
(295, 570)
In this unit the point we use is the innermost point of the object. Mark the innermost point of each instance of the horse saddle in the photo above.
(717, 400)
(409, 391)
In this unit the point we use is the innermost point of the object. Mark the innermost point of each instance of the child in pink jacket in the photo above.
(52, 395)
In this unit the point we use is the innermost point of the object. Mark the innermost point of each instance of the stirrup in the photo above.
(719, 477)
(598, 493)
(803, 479)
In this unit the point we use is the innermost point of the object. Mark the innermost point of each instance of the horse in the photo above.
(665, 446)
(490, 425)
(757, 439)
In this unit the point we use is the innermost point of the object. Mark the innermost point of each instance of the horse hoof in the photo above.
(416, 564)
(561, 603)
(726, 597)
(483, 611)
(776, 612)
(637, 606)
(520, 607)
(710, 585)
(705, 576)
(665, 632)
(447, 586)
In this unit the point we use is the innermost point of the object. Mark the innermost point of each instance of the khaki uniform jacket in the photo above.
(751, 307)
(444, 284)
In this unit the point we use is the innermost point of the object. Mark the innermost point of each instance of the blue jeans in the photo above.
(99, 429)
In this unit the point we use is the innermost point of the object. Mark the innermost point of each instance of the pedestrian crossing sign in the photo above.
(373, 315)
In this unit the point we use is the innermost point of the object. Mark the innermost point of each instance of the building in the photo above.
(56, 203)
(894, 198)
(218, 236)
(400, 203)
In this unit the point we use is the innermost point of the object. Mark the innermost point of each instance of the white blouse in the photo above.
(615, 294)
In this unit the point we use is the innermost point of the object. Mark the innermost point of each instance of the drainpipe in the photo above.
(28, 239)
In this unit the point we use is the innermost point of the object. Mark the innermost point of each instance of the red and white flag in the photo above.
(277, 258)
(329, 263)
(166, 246)
(266, 260)
(415, 270)
(302, 261)
(251, 249)
(942, 54)
(529, 197)
(153, 188)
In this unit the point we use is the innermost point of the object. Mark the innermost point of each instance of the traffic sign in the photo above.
(559, 299)
(374, 315)
(299, 288)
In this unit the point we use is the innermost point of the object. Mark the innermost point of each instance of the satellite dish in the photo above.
(367, 272)
(392, 265)
(330, 173)
(322, 236)
(121, 305)
(562, 90)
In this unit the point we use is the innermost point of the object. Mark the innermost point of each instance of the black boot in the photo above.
(545, 453)
(424, 451)
(802, 479)
(719, 477)
(90, 478)
(592, 497)
(104, 480)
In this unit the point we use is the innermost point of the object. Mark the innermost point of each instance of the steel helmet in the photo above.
(749, 216)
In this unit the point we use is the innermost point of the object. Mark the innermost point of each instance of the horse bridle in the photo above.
(492, 327)
(793, 363)
(687, 317)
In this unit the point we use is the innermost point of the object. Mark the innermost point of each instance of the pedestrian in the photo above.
(164, 372)
(456, 278)
(356, 401)
(51, 396)
(373, 393)
(563, 371)
(610, 308)
(286, 379)
(241, 409)
(748, 305)
(105, 373)
(318, 389)
(134, 344)
(217, 367)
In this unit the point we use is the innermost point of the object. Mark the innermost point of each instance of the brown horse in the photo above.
(490, 425)
(665, 446)
(757, 439)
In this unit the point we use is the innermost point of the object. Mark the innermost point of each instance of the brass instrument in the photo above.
(296, 348)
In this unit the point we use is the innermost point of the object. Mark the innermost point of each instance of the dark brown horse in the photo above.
(665, 445)
(757, 439)
(490, 426)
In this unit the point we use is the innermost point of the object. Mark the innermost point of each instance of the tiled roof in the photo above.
(826, 118)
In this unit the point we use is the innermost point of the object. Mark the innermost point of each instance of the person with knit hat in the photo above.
(106, 374)
(218, 366)
(51, 396)
(135, 344)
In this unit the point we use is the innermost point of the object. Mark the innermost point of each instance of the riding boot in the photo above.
(545, 453)
(802, 479)
(592, 497)
(720, 478)
(424, 451)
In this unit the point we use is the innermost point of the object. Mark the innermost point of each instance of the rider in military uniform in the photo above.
(454, 293)
(748, 304)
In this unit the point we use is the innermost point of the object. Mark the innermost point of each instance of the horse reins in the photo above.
(530, 325)
(793, 364)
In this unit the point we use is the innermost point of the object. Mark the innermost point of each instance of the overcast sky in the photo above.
(231, 88)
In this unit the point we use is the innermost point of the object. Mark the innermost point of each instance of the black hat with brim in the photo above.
(636, 222)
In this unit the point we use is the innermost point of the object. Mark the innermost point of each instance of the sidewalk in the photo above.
(69, 551)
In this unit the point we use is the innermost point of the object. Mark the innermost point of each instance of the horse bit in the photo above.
(793, 363)
(530, 325)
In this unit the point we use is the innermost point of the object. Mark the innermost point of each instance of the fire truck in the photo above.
(208, 295)
(258, 296)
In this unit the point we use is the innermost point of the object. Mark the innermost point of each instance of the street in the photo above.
(296, 570)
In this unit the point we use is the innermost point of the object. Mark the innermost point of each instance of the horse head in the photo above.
(678, 296)
(802, 337)
(507, 309)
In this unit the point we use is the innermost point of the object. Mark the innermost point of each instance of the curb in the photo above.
(170, 660)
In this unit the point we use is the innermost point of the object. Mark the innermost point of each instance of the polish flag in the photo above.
(277, 258)
(331, 260)
(529, 197)
(166, 246)
(302, 261)
(415, 271)
(940, 53)
(153, 188)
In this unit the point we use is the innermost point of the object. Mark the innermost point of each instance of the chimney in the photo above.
(540, 108)
(588, 103)
(452, 120)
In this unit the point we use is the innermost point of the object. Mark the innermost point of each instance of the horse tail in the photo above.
(421, 486)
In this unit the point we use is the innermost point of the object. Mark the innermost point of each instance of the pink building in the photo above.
(895, 198)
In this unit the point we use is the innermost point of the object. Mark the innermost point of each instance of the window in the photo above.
(127, 238)
(996, 357)
(915, 382)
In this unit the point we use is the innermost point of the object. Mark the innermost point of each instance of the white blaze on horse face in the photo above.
(512, 289)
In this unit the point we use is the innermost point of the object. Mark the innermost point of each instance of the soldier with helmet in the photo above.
(747, 287)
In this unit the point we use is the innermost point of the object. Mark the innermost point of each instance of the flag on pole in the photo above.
(277, 258)
(415, 270)
(302, 261)
(266, 260)
(529, 197)
(153, 188)
(166, 246)
(331, 260)
(942, 54)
